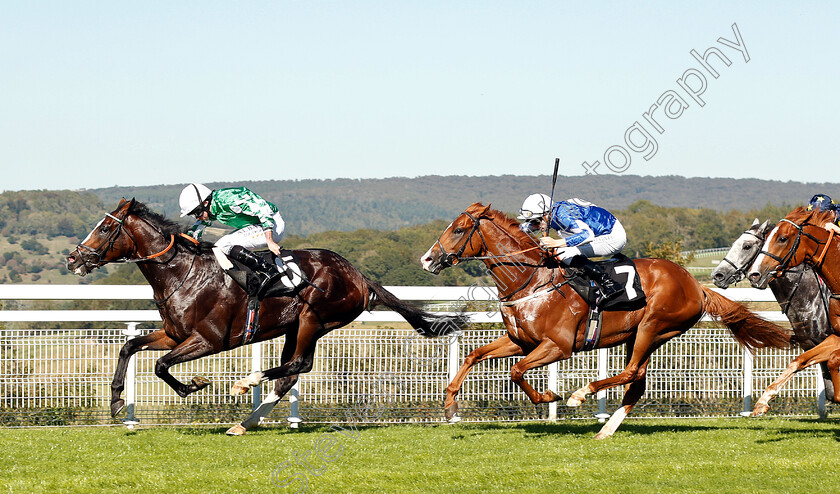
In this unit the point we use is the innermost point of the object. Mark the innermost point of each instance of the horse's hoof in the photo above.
(760, 410)
(574, 401)
(117, 407)
(236, 430)
(551, 396)
(238, 389)
(200, 382)
(454, 419)
(451, 411)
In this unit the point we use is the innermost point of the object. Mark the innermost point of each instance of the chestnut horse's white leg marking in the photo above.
(242, 386)
(578, 396)
(612, 424)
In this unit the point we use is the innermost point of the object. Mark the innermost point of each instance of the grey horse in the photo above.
(801, 293)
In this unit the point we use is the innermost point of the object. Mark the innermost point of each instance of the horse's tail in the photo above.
(426, 323)
(748, 329)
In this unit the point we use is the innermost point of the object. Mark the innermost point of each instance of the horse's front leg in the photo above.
(190, 349)
(545, 353)
(503, 347)
(156, 340)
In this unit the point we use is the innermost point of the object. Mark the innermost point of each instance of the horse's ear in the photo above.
(122, 201)
(765, 227)
(754, 223)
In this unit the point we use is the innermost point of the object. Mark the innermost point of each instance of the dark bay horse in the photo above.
(203, 309)
(545, 319)
(802, 295)
(798, 239)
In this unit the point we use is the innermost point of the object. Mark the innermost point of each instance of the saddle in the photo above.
(291, 281)
(621, 270)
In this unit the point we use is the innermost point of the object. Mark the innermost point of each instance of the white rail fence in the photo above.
(54, 376)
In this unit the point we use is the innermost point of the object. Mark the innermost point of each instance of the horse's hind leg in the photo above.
(503, 347)
(281, 387)
(190, 349)
(820, 353)
(156, 340)
(632, 394)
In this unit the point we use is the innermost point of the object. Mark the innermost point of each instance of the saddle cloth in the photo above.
(622, 270)
(287, 263)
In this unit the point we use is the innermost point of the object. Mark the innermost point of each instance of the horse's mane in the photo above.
(167, 227)
(511, 225)
(802, 216)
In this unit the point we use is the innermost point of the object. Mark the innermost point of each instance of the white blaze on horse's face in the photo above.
(430, 263)
(758, 275)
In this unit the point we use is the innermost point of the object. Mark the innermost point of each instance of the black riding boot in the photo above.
(265, 273)
(609, 289)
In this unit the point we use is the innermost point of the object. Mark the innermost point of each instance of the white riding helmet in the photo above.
(534, 207)
(191, 197)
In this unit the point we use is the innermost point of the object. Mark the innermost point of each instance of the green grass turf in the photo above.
(648, 456)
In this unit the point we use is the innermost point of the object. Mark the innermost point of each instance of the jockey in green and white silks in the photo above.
(257, 225)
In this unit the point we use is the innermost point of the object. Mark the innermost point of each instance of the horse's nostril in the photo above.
(717, 276)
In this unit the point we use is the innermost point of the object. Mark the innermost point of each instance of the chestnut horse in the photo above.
(545, 319)
(800, 238)
(203, 309)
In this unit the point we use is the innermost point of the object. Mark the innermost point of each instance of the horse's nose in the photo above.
(754, 277)
(717, 276)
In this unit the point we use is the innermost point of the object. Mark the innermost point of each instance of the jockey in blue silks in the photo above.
(823, 202)
(586, 231)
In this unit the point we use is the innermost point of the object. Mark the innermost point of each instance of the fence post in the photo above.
(256, 366)
(454, 356)
(748, 382)
(821, 395)
(603, 364)
(553, 370)
(131, 332)
(294, 407)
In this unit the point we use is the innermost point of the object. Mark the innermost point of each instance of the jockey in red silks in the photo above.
(257, 225)
(586, 231)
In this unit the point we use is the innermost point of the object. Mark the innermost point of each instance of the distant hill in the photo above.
(311, 206)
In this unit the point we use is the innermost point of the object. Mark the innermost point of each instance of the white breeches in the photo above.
(600, 246)
(252, 237)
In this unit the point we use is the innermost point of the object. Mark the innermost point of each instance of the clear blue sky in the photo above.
(95, 94)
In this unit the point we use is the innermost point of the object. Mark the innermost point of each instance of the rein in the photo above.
(448, 259)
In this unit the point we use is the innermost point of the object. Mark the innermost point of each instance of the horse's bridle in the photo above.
(741, 272)
(784, 261)
(447, 259)
(103, 249)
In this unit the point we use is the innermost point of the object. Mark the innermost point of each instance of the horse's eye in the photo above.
(103, 229)
(458, 231)
(783, 240)
(747, 246)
